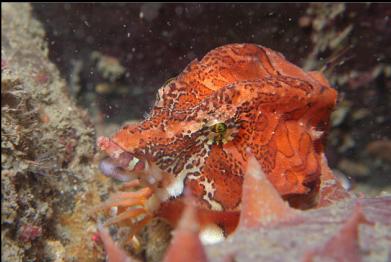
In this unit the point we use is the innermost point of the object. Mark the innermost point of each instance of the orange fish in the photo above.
(239, 100)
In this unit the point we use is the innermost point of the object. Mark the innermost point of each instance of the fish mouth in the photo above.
(111, 168)
(125, 166)
(118, 163)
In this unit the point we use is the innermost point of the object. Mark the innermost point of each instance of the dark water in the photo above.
(154, 42)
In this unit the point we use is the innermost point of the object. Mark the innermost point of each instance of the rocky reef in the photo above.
(47, 147)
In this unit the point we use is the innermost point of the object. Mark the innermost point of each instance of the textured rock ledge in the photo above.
(47, 146)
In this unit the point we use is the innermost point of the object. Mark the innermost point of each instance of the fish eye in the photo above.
(219, 128)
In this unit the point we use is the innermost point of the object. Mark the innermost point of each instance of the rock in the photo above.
(353, 168)
(380, 149)
(48, 181)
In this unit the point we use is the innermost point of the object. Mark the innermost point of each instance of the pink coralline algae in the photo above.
(29, 232)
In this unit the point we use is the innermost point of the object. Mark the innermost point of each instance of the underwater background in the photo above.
(72, 72)
(122, 53)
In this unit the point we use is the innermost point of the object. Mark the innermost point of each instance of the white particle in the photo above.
(114, 211)
(151, 180)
